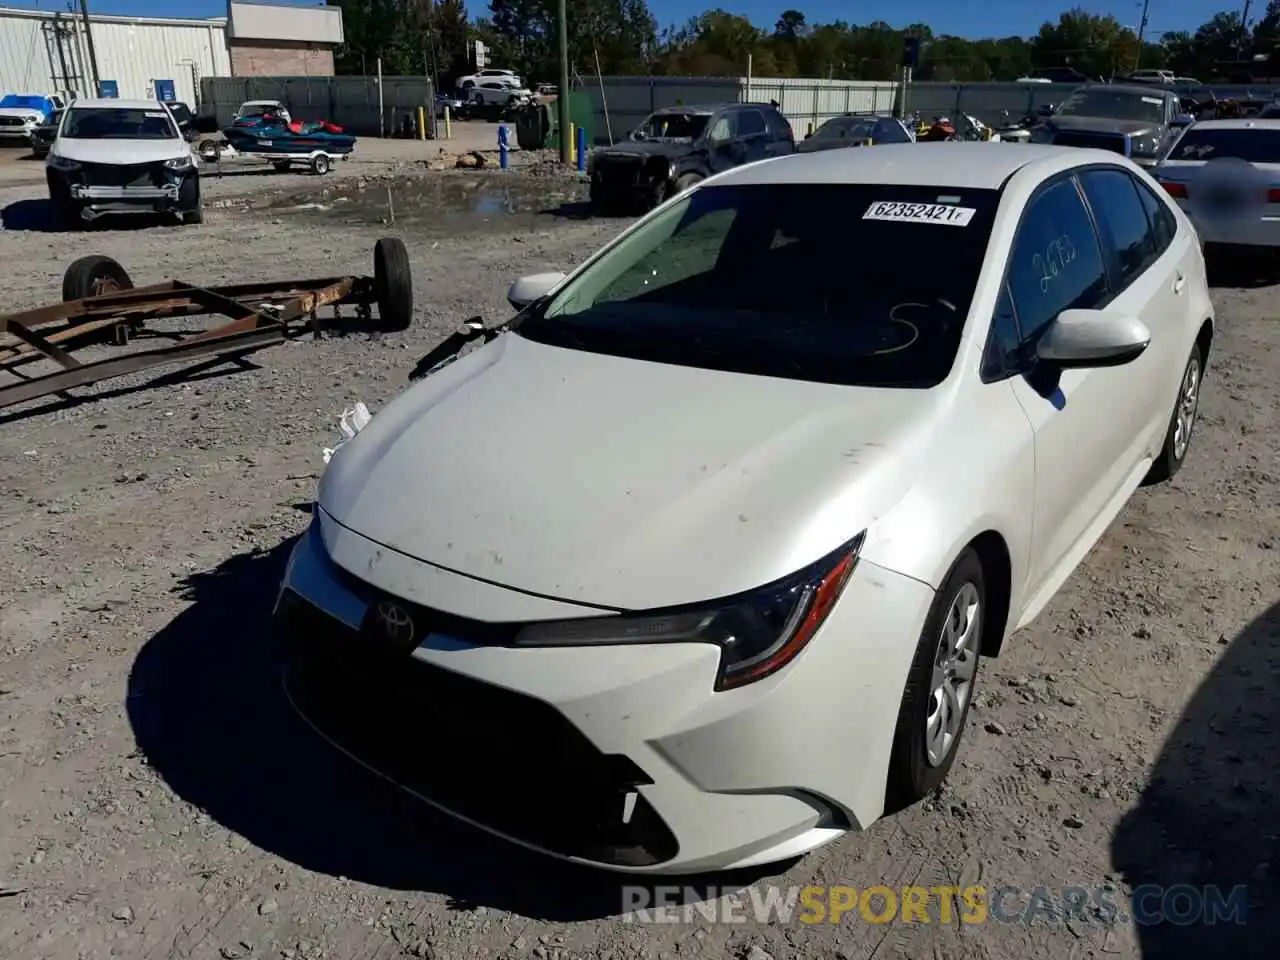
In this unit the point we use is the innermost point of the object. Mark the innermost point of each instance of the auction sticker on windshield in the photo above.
(920, 213)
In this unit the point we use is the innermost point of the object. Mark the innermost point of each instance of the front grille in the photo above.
(427, 620)
(498, 758)
(12, 122)
(1114, 142)
(619, 173)
(123, 174)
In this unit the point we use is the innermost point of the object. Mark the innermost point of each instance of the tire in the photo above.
(392, 285)
(320, 164)
(281, 166)
(1186, 409)
(189, 209)
(94, 275)
(961, 602)
(685, 181)
(603, 203)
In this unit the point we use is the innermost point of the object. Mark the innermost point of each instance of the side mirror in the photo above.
(1045, 110)
(639, 134)
(1092, 338)
(1182, 120)
(530, 289)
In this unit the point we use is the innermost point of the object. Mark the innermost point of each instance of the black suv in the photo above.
(676, 147)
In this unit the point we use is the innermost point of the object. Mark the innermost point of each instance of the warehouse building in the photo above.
(162, 57)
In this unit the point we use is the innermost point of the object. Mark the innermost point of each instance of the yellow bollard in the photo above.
(422, 124)
(573, 145)
(809, 129)
(448, 126)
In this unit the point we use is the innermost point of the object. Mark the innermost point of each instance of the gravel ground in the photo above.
(158, 800)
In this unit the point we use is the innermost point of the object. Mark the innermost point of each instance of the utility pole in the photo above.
(93, 54)
(1142, 32)
(1244, 24)
(562, 101)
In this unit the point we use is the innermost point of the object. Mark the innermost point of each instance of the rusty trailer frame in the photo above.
(259, 315)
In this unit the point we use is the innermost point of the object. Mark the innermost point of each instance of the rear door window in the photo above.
(1126, 231)
(751, 124)
(1056, 262)
(1164, 225)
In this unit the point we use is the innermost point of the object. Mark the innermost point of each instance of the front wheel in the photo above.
(1186, 410)
(685, 181)
(940, 686)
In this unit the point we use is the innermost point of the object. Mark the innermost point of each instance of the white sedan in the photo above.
(691, 565)
(1225, 174)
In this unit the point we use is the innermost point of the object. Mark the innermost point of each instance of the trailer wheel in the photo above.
(320, 164)
(392, 284)
(93, 276)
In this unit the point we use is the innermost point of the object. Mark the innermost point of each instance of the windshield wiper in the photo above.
(441, 356)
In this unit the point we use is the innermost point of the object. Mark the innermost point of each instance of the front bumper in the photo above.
(12, 135)
(144, 195)
(622, 756)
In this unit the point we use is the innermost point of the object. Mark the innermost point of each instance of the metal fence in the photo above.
(350, 102)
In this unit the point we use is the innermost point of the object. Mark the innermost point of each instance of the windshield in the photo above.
(118, 123)
(1113, 105)
(675, 126)
(18, 100)
(839, 128)
(1255, 146)
(847, 284)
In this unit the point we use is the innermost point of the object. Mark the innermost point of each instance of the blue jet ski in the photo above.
(271, 136)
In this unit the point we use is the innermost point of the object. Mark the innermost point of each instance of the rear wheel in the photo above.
(392, 284)
(1182, 422)
(93, 276)
(940, 685)
(320, 164)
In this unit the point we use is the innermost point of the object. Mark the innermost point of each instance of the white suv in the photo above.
(121, 156)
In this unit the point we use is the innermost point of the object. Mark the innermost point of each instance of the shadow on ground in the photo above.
(1208, 816)
(1242, 268)
(38, 216)
(208, 712)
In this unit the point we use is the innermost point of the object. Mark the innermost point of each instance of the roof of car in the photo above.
(975, 166)
(116, 103)
(1137, 89)
(697, 108)
(1243, 123)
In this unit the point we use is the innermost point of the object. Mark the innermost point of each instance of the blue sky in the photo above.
(970, 18)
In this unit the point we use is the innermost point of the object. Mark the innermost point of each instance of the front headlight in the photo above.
(179, 163)
(59, 162)
(758, 633)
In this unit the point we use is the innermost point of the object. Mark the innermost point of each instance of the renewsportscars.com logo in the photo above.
(1180, 905)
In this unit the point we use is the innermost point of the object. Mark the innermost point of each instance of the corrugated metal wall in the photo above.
(135, 53)
(631, 99)
(350, 102)
(808, 103)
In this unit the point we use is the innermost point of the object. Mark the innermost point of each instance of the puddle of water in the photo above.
(445, 200)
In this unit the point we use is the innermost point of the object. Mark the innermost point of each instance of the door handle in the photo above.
(1179, 283)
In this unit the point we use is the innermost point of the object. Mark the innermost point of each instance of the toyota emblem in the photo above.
(396, 622)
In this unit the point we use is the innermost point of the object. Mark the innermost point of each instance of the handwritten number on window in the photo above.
(1056, 256)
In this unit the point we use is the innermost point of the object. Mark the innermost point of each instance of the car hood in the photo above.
(26, 113)
(1134, 128)
(120, 151)
(623, 483)
(643, 149)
